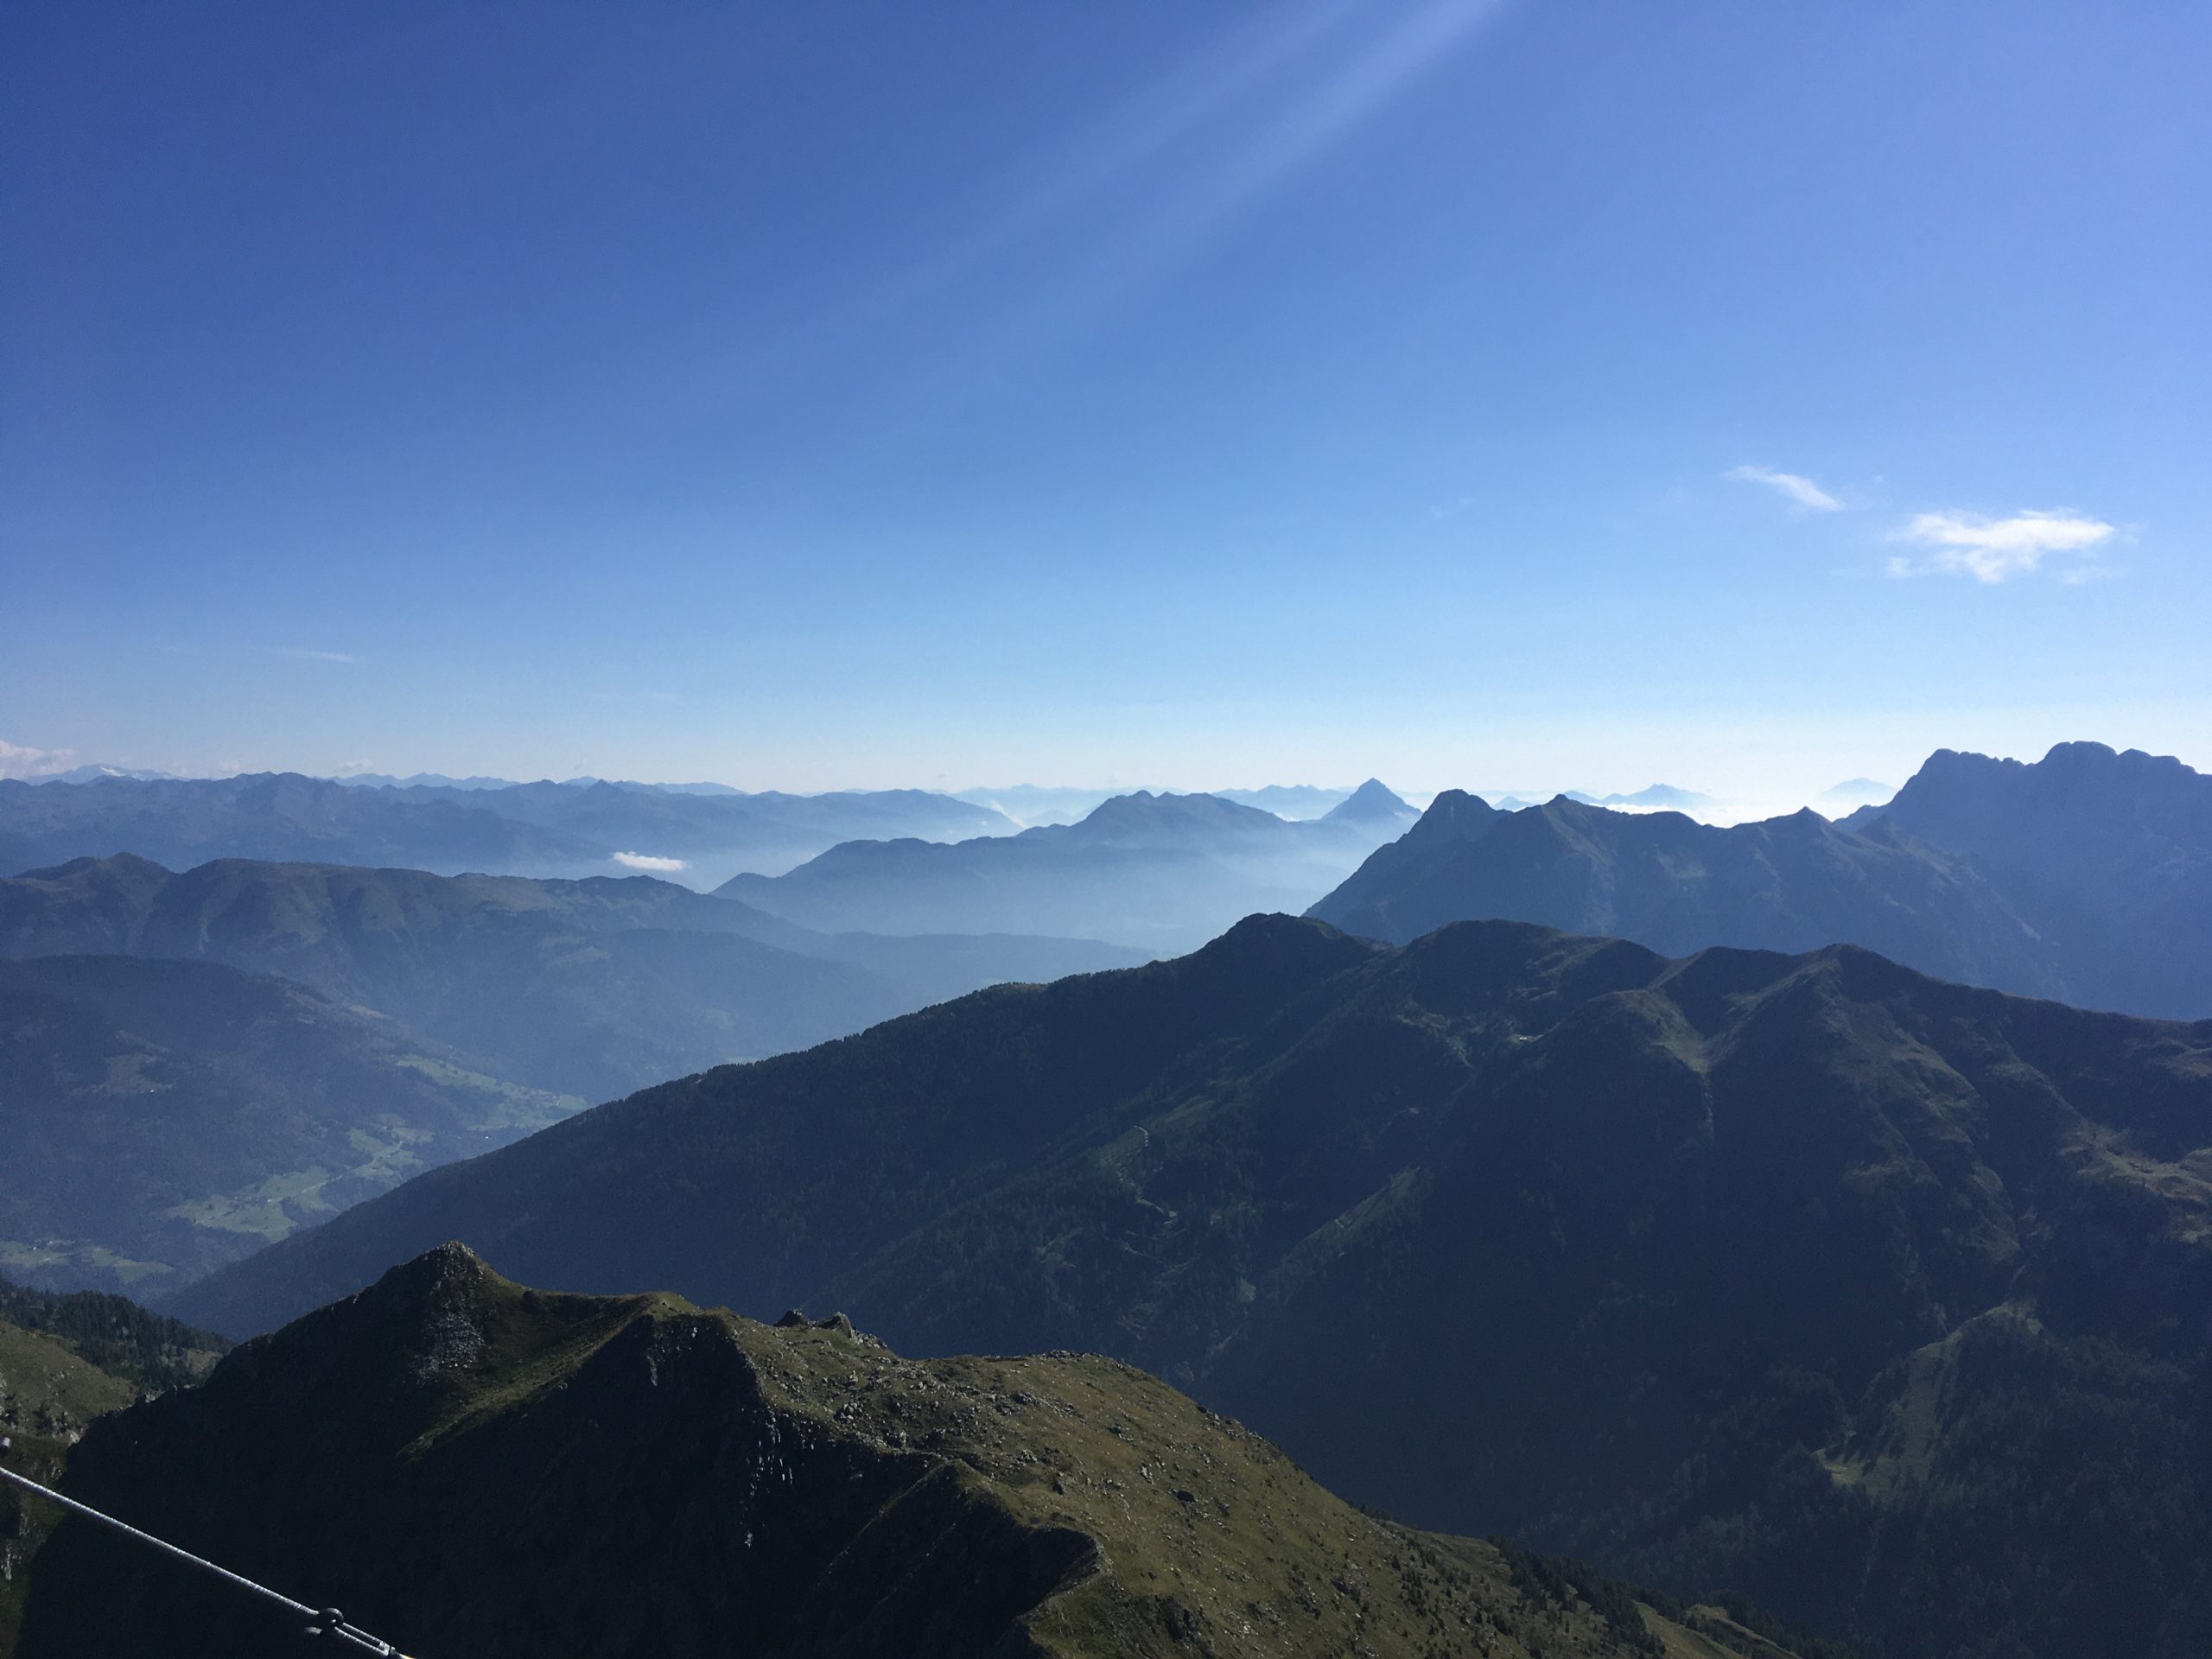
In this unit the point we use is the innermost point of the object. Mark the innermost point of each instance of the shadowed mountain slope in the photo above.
(163, 1117)
(2107, 855)
(1674, 884)
(1155, 871)
(589, 988)
(1797, 1274)
(501, 1473)
(64, 1361)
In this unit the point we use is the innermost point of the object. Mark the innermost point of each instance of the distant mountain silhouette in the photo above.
(1877, 1298)
(454, 826)
(87, 775)
(421, 780)
(1156, 872)
(1371, 803)
(1676, 885)
(163, 1117)
(1853, 792)
(1657, 795)
(1030, 805)
(2087, 876)
(2107, 855)
(1298, 801)
(268, 816)
(586, 987)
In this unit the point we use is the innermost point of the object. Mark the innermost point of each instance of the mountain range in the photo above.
(498, 1471)
(1877, 1298)
(93, 774)
(2106, 855)
(590, 988)
(1665, 796)
(1667, 881)
(1155, 871)
(583, 828)
(2086, 876)
(194, 1065)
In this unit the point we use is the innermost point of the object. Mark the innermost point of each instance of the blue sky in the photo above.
(1513, 395)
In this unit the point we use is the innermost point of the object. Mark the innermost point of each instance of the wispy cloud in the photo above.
(303, 654)
(1992, 551)
(1795, 485)
(18, 761)
(647, 861)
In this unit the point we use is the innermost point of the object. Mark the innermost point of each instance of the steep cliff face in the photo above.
(2107, 855)
(468, 1467)
(1668, 882)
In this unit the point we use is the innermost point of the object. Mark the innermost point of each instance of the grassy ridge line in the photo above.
(500, 1470)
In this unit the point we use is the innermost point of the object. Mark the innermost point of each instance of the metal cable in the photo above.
(324, 1621)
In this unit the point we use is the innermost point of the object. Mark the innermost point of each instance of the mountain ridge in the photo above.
(590, 988)
(2085, 875)
(2107, 853)
(1661, 878)
(799, 1484)
(1157, 872)
(1871, 1180)
(457, 826)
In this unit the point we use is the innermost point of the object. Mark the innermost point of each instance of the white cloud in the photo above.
(18, 761)
(1799, 488)
(303, 654)
(647, 861)
(1994, 549)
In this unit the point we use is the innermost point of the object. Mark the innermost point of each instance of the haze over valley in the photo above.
(1137, 832)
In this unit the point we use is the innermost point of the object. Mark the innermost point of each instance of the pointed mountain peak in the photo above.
(1371, 800)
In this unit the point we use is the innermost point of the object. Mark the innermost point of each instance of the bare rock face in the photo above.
(468, 1467)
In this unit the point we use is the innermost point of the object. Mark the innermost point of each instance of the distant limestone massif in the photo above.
(2085, 877)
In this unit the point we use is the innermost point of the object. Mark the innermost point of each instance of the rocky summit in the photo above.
(470, 1468)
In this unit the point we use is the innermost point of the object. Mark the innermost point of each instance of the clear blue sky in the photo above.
(1515, 394)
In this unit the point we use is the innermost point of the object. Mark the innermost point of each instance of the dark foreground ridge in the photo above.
(474, 1469)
